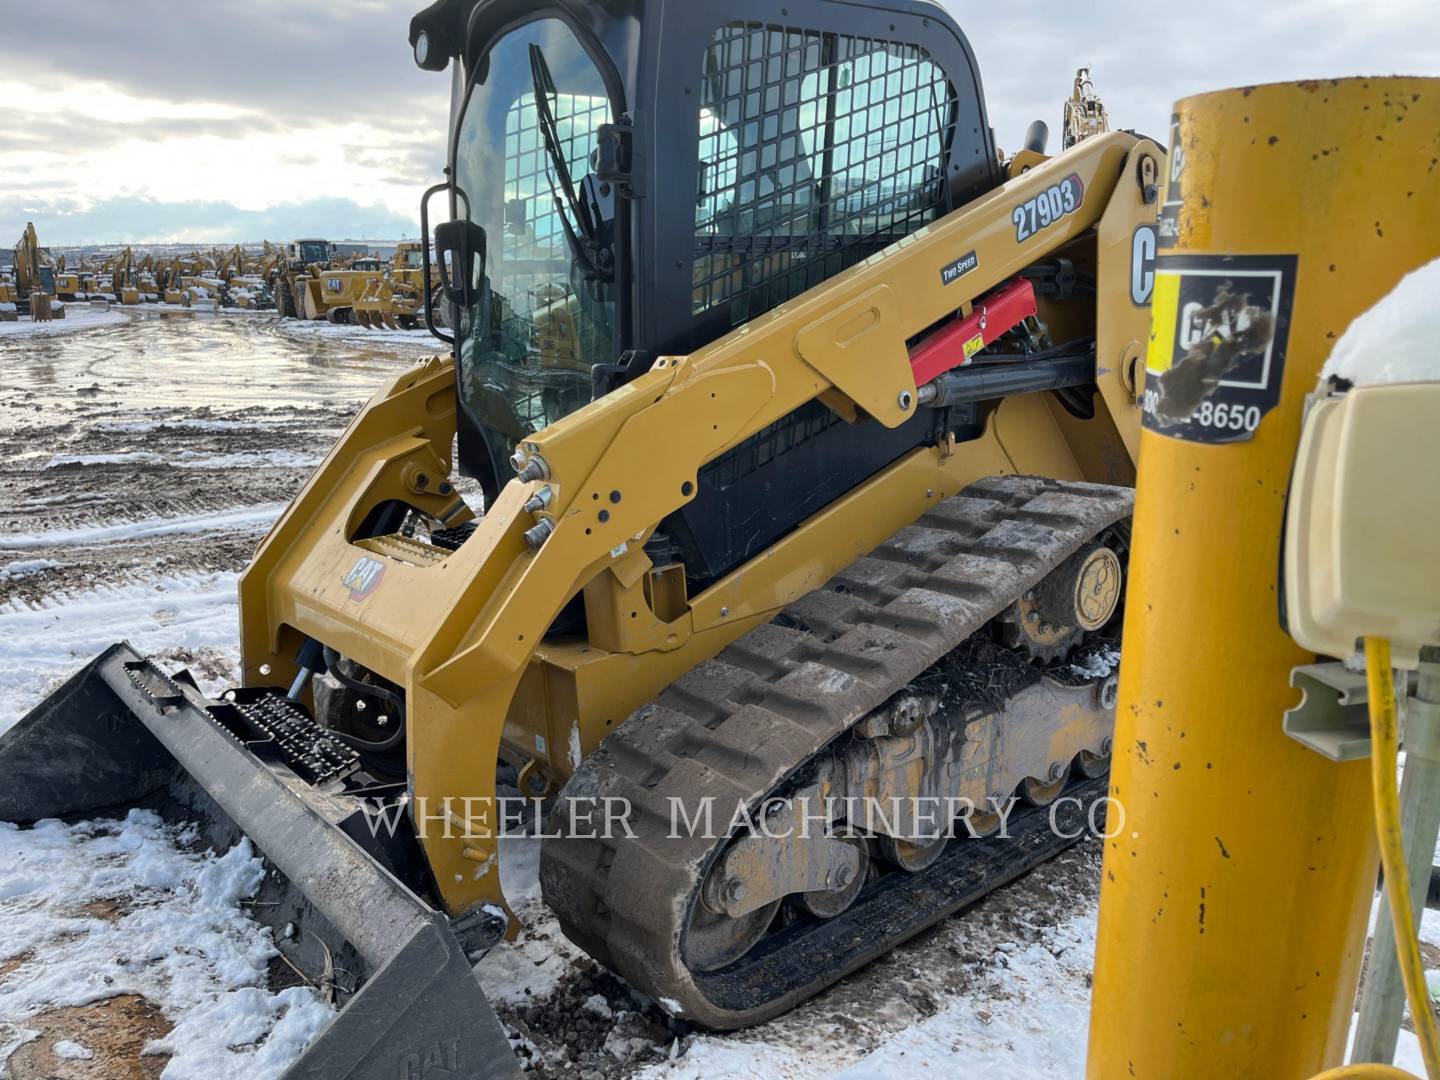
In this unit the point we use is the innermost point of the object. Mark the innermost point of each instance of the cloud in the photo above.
(1146, 58)
(138, 220)
(299, 63)
(143, 119)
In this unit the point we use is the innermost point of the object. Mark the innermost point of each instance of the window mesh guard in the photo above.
(816, 150)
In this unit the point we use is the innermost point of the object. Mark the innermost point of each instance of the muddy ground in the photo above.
(168, 422)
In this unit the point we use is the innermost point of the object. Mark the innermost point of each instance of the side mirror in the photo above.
(460, 255)
(464, 295)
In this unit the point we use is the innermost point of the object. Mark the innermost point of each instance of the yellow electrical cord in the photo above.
(1384, 755)
(1384, 760)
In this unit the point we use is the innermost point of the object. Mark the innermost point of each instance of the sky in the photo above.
(151, 122)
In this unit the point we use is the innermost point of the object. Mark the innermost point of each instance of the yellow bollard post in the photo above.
(1234, 900)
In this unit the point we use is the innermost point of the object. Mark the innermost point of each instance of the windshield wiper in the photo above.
(586, 244)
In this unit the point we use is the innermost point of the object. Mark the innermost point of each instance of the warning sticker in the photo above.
(1174, 184)
(1218, 330)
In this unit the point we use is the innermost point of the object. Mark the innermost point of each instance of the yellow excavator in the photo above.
(33, 283)
(806, 427)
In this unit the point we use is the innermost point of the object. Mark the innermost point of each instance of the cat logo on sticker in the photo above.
(1218, 332)
(364, 577)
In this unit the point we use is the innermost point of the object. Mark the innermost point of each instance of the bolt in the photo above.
(905, 400)
(536, 536)
(735, 890)
(518, 459)
(533, 468)
(445, 487)
(1109, 692)
(1106, 745)
(724, 611)
(929, 493)
(1055, 771)
(845, 875)
(1032, 616)
(1151, 193)
(422, 481)
(540, 500)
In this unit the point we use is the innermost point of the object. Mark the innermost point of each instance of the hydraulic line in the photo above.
(332, 663)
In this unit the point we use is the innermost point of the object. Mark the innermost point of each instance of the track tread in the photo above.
(735, 726)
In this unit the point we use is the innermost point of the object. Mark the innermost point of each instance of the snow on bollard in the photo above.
(1397, 340)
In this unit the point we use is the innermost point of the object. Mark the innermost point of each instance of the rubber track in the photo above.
(737, 726)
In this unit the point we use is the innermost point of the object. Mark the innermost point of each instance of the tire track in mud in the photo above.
(164, 446)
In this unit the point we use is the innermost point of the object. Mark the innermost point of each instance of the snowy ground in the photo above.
(351, 333)
(78, 317)
(141, 464)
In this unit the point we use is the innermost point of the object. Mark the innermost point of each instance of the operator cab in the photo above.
(637, 178)
(312, 251)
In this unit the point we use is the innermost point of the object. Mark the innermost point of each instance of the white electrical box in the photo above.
(1362, 533)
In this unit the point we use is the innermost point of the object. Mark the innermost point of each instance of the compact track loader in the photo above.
(806, 427)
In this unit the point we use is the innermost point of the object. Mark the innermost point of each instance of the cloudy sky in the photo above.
(148, 121)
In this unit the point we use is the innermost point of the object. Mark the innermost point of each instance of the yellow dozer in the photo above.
(806, 425)
(397, 300)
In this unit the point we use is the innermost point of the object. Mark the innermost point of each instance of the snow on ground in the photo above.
(78, 317)
(128, 907)
(1397, 340)
(1028, 1019)
(349, 332)
(191, 459)
(251, 517)
(48, 642)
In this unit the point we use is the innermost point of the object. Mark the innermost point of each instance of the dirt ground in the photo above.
(176, 422)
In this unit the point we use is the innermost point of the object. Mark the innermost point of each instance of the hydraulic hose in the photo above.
(332, 663)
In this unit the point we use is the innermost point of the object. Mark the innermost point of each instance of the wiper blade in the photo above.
(588, 240)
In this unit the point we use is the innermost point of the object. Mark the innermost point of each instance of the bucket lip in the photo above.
(1309, 86)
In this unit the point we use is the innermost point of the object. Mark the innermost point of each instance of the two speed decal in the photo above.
(1048, 207)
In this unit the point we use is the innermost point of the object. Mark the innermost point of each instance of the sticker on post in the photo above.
(1218, 331)
(1174, 195)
